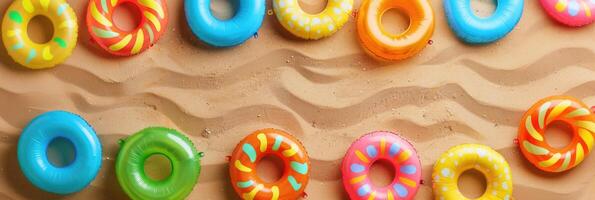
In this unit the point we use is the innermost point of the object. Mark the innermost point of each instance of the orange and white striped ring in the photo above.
(564, 109)
(125, 43)
(269, 142)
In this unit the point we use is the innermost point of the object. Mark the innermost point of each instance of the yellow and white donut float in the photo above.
(461, 158)
(309, 26)
(29, 53)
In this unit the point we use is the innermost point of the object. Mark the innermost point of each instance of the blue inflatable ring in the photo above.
(33, 144)
(224, 33)
(477, 30)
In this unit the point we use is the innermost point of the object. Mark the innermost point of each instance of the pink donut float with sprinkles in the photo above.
(570, 12)
(373, 147)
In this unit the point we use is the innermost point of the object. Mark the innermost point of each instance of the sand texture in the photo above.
(327, 93)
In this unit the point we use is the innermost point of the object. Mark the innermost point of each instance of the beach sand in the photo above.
(327, 93)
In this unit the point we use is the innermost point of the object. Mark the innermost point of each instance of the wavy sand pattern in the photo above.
(326, 92)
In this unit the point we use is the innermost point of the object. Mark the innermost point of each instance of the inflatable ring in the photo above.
(31, 54)
(477, 30)
(465, 157)
(377, 146)
(33, 144)
(308, 26)
(572, 13)
(261, 143)
(388, 46)
(224, 33)
(125, 43)
(134, 151)
(536, 120)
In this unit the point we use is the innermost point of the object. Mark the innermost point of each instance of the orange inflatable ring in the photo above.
(563, 109)
(387, 46)
(125, 43)
(269, 142)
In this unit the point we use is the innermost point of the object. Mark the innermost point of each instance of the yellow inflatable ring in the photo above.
(308, 26)
(387, 46)
(31, 54)
(464, 157)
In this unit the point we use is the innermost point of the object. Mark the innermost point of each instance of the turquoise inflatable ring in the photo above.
(33, 144)
(477, 30)
(224, 33)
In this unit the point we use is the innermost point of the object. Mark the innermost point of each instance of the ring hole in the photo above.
(382, 173)
(270, 169)
(40, 29)
(127, 16)
(60, 152)
(395, 21)
(313, 6)
(472, 184)
(558, 134)
(157, 167)
(224, 9)
(484, 8)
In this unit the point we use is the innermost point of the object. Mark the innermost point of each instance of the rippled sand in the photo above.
(327, 93)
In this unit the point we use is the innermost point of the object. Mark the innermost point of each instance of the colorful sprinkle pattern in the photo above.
(381, 146)
(308, 26)
(532, 128)
(464, 157)
(571, 12)
(31, 54)
(118, 42)
(254, 147)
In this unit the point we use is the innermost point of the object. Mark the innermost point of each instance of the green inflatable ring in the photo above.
(184, 159)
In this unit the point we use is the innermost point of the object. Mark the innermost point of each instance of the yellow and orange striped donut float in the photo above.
(564, 109)
(29, 53)
(125, 43)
